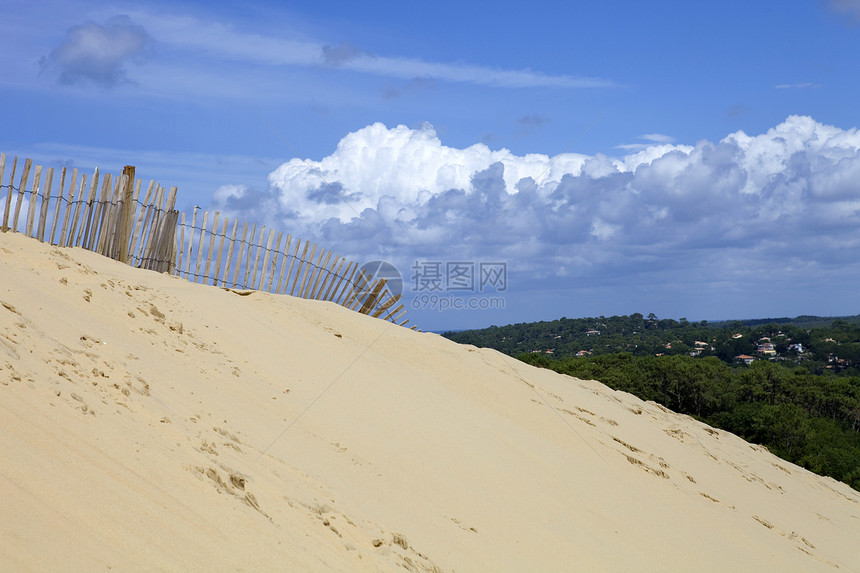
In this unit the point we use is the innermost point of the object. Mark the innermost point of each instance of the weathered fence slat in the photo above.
(63, 240)
(358, 289)
(292, 261)
(299, 267)
(6, 210)
(220, 250)
(57, 205)
(150, 224)
(83, 241)
(71, 241)
(230, 251)
(98, 207)
(200, 247)
(190, 242)
(33, 201)
(238, 263)
(43, 211)
(21, 189)
(248, 254)
(274, 267)
(284, 256)
(141, 210)
(109, 192)
(334, 275)
(343, 291)
(253, 283)
(211, 243)
(308, 270)
(381, 308)
(313, 269)
(105, 207)
(322, 277)
(265, 265)
(180, 246)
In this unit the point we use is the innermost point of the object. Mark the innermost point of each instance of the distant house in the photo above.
(737, 335)
(699, 347)
(592, 332)
(766, 348)
(584, 353)
(745, 358)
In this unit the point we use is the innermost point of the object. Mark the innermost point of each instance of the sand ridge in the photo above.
(147, 423)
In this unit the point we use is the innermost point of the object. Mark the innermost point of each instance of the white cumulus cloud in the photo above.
(777, 204)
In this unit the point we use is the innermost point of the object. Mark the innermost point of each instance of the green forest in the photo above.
(792, 386)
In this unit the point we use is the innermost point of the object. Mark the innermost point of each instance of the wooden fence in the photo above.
(108, 215)
(228, 255)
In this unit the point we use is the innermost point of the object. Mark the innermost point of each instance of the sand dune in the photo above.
(150, 424)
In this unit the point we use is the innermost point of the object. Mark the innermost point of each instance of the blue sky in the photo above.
(695, 160)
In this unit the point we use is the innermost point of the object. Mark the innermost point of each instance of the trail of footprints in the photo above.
(220, 448)
(73, 367)
(82, 365)
(658, 467)
(225, 479)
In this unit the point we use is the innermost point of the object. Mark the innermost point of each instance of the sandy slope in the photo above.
(150, 424)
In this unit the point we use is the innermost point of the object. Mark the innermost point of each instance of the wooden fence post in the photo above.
(126, 217)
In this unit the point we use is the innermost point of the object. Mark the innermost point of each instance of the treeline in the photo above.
(818, 344)
(812, 420)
